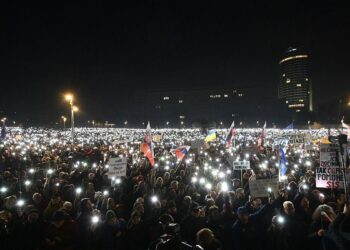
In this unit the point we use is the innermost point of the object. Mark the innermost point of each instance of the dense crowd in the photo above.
(55, 194)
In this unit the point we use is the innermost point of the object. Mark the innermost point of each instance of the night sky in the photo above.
(104, 51)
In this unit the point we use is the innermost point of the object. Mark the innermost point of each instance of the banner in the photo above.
(261, 187)
(117, 167)
(297, 139)
(241, 165)
(329, 174)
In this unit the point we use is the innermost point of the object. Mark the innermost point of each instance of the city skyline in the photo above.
(106, 52)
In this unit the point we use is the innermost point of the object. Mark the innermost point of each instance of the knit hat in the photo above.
(110, 214)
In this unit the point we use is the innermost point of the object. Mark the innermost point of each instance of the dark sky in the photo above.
(103, 51)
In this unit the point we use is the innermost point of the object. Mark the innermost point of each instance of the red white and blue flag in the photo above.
(262, 137)
(181, 152)
(231, 134)
(147, 147)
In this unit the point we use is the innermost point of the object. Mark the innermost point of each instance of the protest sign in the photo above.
(329, 174)
(297, 139)
(260, 187)
(117, 167)
(241, 165)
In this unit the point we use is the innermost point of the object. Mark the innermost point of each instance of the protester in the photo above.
(59, 195)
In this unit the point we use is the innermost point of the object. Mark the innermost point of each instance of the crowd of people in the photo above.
(55, 194)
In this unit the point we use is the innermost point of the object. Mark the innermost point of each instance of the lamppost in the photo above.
(64, 119)
(3, 120)
(70, 98)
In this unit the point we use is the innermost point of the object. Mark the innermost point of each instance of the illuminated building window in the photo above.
(298, 110)
(301, 100)
(234, 91)
(180, 101)
(225, 96)
(283, 75)
(306, 79)
(296, 105)
(165, 98)
(286, 101)
(293, 57)
(240, 95)
(182, 117)
(287, 80)
(298, 85)
(214, 96)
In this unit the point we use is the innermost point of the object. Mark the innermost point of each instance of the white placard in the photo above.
(260, 187)
(329, 174)
(241, 165)
(117, 167)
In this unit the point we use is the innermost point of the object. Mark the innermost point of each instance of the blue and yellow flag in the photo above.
(211, 136)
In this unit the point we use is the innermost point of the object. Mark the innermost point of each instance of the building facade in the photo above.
(244, 104)
(295, 88)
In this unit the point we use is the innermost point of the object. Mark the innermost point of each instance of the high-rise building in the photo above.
(295, 88)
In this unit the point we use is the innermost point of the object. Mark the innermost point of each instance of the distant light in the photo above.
(78, 190)
(194, 179)
(224, 187)
(3, 189)
(20, 203)
(280, 220)
(154, 199)
(208, 186)
(95, 219)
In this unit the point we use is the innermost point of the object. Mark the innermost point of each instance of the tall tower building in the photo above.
(295, 88)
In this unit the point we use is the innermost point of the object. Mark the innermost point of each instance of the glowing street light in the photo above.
(64, 119)
(70, 98)
(3, 120)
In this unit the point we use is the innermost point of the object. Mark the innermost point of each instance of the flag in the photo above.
(148, 152)
(147, 147)
(211, 136)
(344, 128)
(231, 134)
(181, 152)
(148, 138)
(262, 137)
(290, 126)
(283, 168)
(263, 133)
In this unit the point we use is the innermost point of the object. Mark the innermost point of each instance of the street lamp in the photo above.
(3, 120)
(69, 98)
(64, 122)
